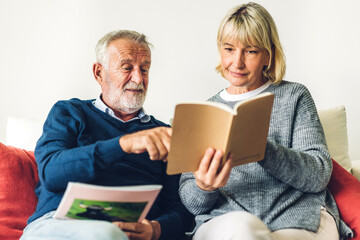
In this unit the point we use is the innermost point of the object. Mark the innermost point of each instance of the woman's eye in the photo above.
(252, 51)
(228, 49)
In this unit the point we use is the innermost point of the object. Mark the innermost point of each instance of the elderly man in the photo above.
(109, 141)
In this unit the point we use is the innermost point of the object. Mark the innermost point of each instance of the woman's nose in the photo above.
(239, 60)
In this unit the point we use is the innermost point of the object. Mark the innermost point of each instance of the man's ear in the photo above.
(98, 72)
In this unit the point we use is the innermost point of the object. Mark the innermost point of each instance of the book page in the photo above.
(250, 129)
(195, 128)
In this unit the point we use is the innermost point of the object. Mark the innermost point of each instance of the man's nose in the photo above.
(136, 76)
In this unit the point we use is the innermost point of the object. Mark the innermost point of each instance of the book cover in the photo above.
(125, 203)
(241, 131)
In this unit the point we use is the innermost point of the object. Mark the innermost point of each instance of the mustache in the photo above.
(132, 85)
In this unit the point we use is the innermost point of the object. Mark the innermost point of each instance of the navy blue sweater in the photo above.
(80, 143)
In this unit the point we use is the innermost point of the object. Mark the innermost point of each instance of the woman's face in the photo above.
(242, 65)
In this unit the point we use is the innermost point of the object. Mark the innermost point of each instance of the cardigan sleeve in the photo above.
(59, 157)
(67, 152)
(174, 218)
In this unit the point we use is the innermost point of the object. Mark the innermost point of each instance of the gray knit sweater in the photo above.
(288, 187)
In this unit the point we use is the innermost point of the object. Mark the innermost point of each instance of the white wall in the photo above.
(46, 51)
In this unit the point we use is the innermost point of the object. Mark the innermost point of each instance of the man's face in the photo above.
(125, 80)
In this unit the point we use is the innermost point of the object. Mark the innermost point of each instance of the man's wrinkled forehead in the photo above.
(129, 50)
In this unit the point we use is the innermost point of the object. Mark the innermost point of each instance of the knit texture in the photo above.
(80, 143)
(288, 187)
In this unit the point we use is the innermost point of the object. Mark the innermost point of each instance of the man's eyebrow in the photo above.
(126, 60)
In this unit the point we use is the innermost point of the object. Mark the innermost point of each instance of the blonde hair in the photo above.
(252, 25)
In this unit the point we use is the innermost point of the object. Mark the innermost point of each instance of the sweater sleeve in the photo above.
(59, 157)
(196, 200)
(296, 151)
(303, 161)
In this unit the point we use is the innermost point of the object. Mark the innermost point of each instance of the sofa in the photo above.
(18, 173)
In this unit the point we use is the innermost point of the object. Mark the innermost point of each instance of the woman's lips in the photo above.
(238, 74)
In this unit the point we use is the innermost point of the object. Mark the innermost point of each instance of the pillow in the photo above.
(15, 129)
(333, 121)
(346, 190)
(18, 179)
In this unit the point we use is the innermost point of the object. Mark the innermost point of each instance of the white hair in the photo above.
(101, 47)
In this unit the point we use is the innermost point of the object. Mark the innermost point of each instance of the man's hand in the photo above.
(155, 141)
(146, 230)
(208, 177)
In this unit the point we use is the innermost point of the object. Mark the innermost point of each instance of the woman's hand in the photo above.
(209, 177)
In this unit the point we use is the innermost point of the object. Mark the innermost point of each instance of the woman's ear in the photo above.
(271, 56)
(98, 72)
(267, 61)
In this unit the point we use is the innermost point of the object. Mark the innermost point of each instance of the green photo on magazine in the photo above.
(107, 211)
(107, 203)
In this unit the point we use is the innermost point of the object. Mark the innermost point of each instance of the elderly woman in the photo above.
(284, 196)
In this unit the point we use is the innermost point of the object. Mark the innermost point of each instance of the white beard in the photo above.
(126, 101)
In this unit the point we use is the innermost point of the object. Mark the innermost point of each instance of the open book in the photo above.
(241, 131)
(86, 201)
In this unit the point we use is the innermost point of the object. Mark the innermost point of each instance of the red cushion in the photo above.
(346, 191)
(18, 177)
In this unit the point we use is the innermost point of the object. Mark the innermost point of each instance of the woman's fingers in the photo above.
(216, 162)
(224, 174)
(211, 174)
(206, 160)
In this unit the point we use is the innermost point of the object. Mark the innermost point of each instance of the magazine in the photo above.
(125, 203)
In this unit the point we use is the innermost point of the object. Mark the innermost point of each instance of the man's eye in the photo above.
(228, 49)
(144, 70)
(127, 68)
